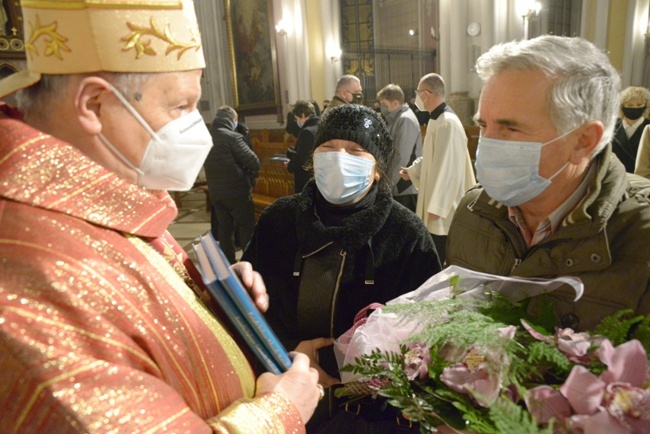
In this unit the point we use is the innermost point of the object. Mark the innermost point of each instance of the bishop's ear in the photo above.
(90, 100)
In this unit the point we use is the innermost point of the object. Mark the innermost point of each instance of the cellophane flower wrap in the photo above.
(460, 354)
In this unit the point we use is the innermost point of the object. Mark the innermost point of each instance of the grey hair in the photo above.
(435, 83)
(50, 90)
(585, 86)
(345, 81)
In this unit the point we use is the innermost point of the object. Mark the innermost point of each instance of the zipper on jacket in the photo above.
(336, 291)
(517, 262)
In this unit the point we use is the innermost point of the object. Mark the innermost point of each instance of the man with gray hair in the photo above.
(348, 91)
(553, 199)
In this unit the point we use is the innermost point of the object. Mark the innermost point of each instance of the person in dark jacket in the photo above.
(305, 114)
(338, 246)
(634, 109)
(553, 200)
(231, 171)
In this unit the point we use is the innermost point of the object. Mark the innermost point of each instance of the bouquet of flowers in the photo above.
(460, 354)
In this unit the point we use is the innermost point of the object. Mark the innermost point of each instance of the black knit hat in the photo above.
(358, 124)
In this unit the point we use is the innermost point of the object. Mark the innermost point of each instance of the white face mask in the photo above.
(174, 154)
(340, 177)
(419, 103)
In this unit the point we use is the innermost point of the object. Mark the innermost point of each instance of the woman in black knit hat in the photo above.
(336, 247)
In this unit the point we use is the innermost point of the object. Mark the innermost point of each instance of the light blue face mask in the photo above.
(341, 177)
(508, 170)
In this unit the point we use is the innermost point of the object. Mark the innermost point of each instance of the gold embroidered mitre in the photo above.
(81, 36)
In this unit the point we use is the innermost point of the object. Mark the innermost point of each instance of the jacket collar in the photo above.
(48, 173)
(356, 230)
(221, 120)
(311, 121)
(442, 108)
(396, 113)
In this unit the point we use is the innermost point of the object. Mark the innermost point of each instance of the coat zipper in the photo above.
(516, 264)
(336, 291)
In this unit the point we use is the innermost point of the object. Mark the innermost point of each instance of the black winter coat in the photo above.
(231, 166)
(301, 153)
(402, 252)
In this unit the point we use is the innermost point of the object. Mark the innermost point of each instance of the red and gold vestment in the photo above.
(99, 331)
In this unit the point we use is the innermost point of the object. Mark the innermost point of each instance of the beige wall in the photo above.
(316, 54)
(616, 32)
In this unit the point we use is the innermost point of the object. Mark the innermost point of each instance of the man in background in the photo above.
(300, 153)
(231, 170)
(444, 172)
(101, 327)
(407, 139)
(348, 91)
(553, 199)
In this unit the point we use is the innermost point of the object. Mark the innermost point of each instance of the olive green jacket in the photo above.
(605, 242)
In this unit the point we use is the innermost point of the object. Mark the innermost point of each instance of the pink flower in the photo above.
(571, 343)
(479, 374)
(615, 402)
(480, 382)
(574, 345)
(584, 390)
(416, 361)
(627, 363)
(629, 405)
(545, 403)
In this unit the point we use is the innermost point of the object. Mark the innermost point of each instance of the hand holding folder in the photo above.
(230, 294)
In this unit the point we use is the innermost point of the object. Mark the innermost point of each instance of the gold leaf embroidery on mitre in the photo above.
(142, 47)
(53, 45)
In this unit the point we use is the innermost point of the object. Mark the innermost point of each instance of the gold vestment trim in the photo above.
(232, 350)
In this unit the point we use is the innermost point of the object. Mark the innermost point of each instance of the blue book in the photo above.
(234, 299)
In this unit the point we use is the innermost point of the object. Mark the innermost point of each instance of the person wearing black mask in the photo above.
(635, 101)
(348, 91)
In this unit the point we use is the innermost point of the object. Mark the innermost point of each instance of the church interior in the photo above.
(263, 55)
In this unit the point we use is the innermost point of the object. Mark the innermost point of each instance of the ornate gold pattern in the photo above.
(235, 356)
(106, 328)
(83, 4)
(265, 414)
(53, 46)
(142, 47)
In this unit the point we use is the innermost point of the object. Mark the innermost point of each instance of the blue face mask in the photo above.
(340, 177)
(508, 170)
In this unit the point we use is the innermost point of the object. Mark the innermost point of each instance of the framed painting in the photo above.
(12, 45)
(252, 54)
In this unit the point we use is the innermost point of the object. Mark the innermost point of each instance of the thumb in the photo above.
(322, 342)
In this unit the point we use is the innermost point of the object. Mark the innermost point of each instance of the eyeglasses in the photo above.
(418, 91)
